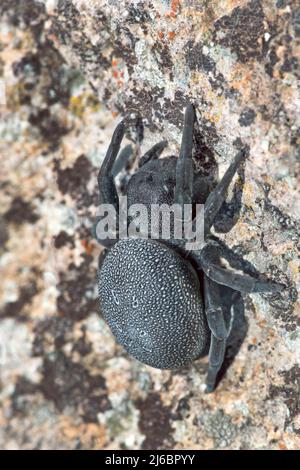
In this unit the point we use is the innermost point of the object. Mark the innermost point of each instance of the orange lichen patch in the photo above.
(114, 113)
(175, 4)
(262, 323)
(171, 35)
(117, 73)
(6, 37)
(91, 435)
(52, 37)
(241, 80)
(89, 247)
(160, 34)
(282, 446)
(253, 85)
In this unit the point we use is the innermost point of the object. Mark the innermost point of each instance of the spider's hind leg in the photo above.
(216, 323)
(210, 261)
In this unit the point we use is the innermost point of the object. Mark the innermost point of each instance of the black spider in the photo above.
(151, 290)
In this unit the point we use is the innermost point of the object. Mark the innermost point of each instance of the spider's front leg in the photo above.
(122, 160)
(153, 153)
(106, 184)
(184, 168)
(107, 188)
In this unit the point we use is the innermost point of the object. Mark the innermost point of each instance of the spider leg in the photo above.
(184, 167)
(106, 184)
(216, 358)
(107, 187)
(153, 153)
(217, 196)
(122, 160)
(218, 330)
(210, 263)
(102, 257)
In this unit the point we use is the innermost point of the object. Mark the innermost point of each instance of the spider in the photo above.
(162, 302)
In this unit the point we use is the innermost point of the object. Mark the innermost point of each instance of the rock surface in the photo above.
(69, 71)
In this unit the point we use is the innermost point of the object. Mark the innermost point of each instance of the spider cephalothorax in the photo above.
(151, 290)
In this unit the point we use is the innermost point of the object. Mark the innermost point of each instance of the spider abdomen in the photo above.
(150, 298)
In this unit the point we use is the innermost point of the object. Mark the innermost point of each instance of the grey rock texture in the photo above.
(70, 70)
